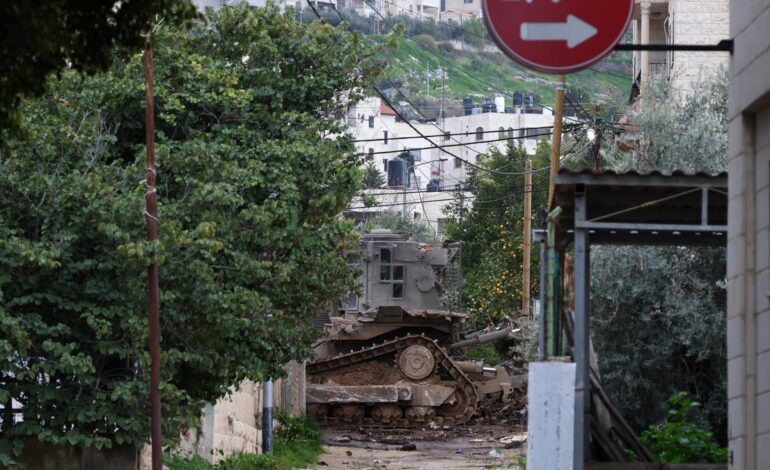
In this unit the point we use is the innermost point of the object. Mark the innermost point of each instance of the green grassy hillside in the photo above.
(410, 62)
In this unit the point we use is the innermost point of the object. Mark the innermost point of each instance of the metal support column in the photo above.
(541, 239)
(582, 333)
(553, 289)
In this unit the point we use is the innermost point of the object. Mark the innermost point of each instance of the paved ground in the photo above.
(480, 447)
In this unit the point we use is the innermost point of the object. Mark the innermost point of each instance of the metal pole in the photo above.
(526, 275)
(558, 112)
(267, 417)
(151, 214)
(404, 184)
(581, 333)
(541, 238)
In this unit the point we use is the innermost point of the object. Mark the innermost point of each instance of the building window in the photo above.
(384, 137)
(447, 135)
(510, 132)
(458, 163)
(441, 225)
(385, 165)
(371, 122)
(501, 133)
(479, 133)
(352, 302)
(371, 154)
(392, 273)
(468, 1)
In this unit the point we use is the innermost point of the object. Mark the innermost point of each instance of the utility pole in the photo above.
(558, 112)
(427, 75)
(151, 214)
(404, 185)
(526, 277)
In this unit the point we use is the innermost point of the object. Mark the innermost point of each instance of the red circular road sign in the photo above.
(557, 36)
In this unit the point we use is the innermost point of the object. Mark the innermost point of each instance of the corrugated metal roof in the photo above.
(588, 171)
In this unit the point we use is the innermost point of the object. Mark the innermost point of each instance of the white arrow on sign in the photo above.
(575, 31)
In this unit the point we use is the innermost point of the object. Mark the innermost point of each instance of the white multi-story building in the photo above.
(461, 10)
(679, 22)
(440, 154)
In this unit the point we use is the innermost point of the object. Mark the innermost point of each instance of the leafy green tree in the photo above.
(38, 38)
(658, 313)
(250, 194)
(372, 178)
(491, 225)
(475, 33)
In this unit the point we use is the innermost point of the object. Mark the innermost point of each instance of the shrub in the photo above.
(679, 440)
(427, 41)
(446, 46)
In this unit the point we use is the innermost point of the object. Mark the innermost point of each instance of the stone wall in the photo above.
(233, 424)
(748, 247)
(697, 22)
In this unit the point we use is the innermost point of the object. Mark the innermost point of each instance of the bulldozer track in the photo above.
(464, 384)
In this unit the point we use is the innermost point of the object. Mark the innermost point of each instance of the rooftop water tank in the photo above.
(500, 104)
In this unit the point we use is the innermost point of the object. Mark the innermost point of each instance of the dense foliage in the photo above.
(418, 230)
(679, 440)
(658, 326)
(658, 313)
(491, 225)
(250, 190)
(38, 38)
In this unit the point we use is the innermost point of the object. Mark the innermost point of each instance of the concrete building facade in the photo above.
(748, 252)
(439, 170)
(679, 22)
(461, 10)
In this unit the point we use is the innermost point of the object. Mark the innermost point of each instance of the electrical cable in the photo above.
(466, 133)
(440, 147)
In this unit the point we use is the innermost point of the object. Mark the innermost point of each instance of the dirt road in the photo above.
(423, 449)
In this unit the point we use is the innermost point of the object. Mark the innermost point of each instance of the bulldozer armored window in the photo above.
(384, 273)
(385, 268)
(384, 255)
(398, 290)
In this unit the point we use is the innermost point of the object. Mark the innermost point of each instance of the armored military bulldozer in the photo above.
(388, 357)
(392, 366)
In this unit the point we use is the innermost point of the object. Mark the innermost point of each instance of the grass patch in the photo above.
(487, 353)
(297, 444)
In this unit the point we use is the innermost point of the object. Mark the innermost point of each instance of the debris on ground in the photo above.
(409, 447)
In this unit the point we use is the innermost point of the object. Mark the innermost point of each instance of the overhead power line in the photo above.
(465, 133)
(401, 116)
(443, 146)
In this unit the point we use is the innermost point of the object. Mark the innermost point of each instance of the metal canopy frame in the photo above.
(628, 209)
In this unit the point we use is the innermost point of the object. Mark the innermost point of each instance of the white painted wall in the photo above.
(551, 422)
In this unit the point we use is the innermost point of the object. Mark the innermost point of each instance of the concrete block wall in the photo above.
(233, 424)
(748, 271)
